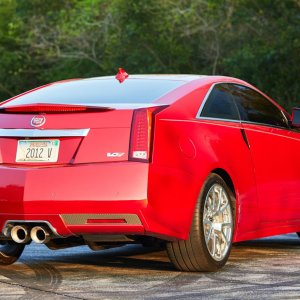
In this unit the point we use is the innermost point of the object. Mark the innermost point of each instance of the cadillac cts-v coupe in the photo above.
(194, 163)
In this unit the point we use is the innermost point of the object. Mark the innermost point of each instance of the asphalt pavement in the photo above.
(261, 269)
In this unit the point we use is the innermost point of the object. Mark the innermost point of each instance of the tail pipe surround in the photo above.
(40, 235)
(20, 234)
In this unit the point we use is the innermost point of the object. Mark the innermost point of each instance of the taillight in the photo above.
(141, 133)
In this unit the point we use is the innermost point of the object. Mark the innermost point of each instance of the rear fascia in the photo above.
(48, 194)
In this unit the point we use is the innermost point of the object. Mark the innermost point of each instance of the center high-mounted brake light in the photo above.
(49, 108)
(44, 108)
(141, 133)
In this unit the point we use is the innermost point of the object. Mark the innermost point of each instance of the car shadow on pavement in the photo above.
(155, 259)
(278, 242)
(128, 256)
(150, 258)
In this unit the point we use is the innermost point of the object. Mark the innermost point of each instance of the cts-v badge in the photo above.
(38, 121)
(115, 154)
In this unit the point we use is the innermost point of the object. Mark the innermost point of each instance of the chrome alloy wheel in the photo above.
(217, 222)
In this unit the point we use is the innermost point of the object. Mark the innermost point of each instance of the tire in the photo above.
(10, 252)
(195, 254)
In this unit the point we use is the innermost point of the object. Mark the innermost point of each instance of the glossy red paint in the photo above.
(94, 176)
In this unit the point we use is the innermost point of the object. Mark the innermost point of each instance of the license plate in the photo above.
(37, 151)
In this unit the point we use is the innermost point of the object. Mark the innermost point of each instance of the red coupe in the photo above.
(195, 163)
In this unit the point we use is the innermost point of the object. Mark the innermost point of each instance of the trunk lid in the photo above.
(30, 136)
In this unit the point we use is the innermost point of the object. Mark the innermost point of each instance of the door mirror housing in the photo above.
(296, 117)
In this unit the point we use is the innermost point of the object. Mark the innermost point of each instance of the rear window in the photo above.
(100, 91)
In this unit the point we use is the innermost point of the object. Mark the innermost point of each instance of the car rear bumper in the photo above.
(99, 198)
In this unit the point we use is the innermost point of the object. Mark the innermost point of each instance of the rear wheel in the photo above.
(10, 252)
(209, 243)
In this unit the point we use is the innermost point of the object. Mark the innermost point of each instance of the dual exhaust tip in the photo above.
(22, 234)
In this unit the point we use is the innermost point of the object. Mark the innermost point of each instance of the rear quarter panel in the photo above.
(186, 150)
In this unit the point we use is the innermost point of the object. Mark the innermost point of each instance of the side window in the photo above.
(220, 104)
(254, 107)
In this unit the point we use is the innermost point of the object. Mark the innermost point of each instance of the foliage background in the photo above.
(255, 40)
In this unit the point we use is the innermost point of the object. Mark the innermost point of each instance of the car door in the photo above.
(275, 150)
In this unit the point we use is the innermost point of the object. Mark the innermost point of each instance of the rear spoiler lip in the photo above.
(90, 106)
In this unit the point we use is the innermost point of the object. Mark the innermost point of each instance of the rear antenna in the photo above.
(121, 75)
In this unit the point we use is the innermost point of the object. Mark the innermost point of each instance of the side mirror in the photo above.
(296, 117)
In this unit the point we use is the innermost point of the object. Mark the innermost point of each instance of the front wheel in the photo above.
(210, 238)
(10, 252)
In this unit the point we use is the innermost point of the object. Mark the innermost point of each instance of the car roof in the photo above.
(177, 77)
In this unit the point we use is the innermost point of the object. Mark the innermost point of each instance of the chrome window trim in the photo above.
(198, 116)
(219, 119)
(285, 117)
(43, 132)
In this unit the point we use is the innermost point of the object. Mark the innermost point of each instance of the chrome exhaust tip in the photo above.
(20, 234)
(40, 235)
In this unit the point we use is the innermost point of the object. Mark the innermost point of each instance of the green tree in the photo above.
(256, 40)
